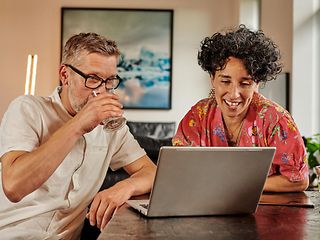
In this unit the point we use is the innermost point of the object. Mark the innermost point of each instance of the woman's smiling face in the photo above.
(234, 88)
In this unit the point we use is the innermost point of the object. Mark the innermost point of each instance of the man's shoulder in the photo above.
(28, 105)
(31, 100)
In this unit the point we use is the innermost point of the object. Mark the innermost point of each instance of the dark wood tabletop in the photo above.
(269, 222)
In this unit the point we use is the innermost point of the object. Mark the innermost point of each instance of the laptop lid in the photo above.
(209, 180)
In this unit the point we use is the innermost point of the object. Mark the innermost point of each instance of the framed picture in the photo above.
(144, 38)
(278, 90)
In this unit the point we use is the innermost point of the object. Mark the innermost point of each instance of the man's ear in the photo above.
(63, 75)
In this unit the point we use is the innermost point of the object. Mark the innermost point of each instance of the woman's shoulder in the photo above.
(205, 103)
(203, 106)
(264, 106)
(200, 110)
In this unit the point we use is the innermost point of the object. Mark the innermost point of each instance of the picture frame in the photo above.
(144, 37)
(278, 90)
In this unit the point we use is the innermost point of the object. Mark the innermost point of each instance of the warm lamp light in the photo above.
(31, 74)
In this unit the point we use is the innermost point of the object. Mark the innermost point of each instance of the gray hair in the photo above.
(88, 43)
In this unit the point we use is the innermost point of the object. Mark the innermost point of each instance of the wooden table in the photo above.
(269, 222)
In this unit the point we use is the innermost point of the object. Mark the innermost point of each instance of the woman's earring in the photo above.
(212, 94)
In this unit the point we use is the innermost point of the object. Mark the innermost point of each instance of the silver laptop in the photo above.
(193, 181)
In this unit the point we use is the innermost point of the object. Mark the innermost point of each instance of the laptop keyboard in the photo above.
(144, 206)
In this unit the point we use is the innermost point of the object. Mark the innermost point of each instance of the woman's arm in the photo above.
(280, 183)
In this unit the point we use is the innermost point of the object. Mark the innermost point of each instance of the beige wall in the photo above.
(33, 26)
(277, 23)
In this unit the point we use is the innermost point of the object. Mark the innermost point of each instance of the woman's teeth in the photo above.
(232, 104)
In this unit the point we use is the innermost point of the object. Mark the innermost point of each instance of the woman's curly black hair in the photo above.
(260, 55)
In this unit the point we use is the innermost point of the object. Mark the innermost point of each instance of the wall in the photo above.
(306, 66)
(28, 27)
(276, 21)
(295, 26)
(33, 26)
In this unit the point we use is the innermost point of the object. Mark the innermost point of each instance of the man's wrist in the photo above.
(129, 185)
(75, 128)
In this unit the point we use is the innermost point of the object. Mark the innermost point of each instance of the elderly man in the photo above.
(55, 152)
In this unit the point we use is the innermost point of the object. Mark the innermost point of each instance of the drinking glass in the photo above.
(113, 123)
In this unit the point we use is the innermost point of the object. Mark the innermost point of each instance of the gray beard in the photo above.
(77, 108)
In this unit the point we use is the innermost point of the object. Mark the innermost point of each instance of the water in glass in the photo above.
(112, 123)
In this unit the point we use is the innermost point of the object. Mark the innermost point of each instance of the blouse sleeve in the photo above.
(290, 157)
(188, 133)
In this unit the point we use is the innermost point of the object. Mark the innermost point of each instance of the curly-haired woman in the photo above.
(236, 114)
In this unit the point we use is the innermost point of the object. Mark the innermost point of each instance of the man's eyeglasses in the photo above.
(93, 81)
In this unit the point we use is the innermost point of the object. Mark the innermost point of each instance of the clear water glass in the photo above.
(113, 123)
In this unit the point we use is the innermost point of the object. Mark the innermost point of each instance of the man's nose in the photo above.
(102, 88)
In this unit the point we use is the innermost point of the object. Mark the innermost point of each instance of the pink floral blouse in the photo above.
(266, 124)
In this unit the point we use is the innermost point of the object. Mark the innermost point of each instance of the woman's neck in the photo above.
(233, 128)
(232, 122)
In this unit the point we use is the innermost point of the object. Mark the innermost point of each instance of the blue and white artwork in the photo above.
(145, 41)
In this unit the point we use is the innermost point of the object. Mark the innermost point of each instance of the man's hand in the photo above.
(107, 202)
(104, 105)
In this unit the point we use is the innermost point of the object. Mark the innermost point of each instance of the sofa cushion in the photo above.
(152, 145)
(156, 130)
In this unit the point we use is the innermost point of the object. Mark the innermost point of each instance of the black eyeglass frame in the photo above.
(86, 76)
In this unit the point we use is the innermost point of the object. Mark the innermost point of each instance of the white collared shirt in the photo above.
(57, 209)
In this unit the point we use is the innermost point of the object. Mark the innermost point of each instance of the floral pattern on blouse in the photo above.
(266, 124)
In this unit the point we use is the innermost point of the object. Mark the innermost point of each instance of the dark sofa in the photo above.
(151, 136)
